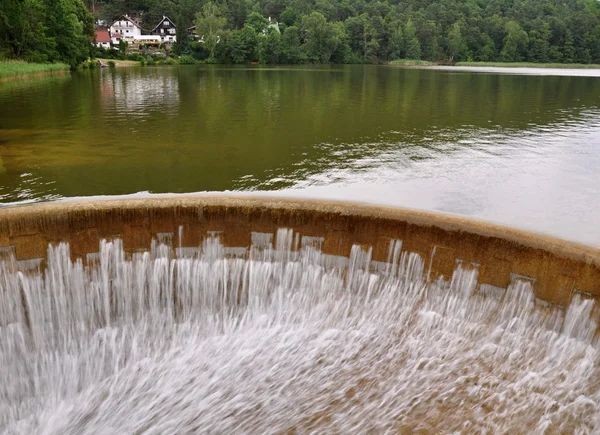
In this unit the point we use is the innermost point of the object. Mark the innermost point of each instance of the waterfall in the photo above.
(281, 337)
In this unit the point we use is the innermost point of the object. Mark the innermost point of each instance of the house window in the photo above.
(166, 23)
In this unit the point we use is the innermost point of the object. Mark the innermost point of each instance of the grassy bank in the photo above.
(18, 68)
(411, 62)
(529, 65)
(119, 63)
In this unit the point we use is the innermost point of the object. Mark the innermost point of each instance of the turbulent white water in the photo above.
(283, 338)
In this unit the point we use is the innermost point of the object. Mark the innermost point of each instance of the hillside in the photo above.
(323, 31)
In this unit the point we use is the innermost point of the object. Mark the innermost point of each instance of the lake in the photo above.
(521, 149)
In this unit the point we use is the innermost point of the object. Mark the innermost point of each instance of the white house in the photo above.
(102, 39)
(126, 29)
(166, 29)
(272, 25)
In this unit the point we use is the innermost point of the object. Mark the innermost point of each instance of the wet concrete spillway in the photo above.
(249, 315)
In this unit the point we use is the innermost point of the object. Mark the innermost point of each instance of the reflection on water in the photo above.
(138, 97)
(518, 149)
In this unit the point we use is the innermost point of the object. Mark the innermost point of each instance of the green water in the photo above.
(521, 149)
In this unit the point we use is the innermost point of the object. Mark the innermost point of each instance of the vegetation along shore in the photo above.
(488, 32)
(14, 68)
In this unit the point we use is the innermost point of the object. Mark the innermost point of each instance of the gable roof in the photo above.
(126, 18)
(162, 21)
(102, 36)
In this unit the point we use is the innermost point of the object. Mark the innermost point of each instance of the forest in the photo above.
(320, 31)
(45, 31)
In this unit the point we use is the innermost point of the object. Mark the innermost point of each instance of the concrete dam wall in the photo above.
(249, 315)
(556, 269)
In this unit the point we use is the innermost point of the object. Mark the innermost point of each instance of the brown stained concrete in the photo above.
(557, 267)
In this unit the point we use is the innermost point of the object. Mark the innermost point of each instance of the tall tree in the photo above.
(289, 17)
(209, 25)
(321, 38)
(396, 45)
(457, 46)
(291, 50)
(568, 49)
(269, 47)
(244, 45)
(182, 45)
(515, 42)
(411, 43)
(257, 22)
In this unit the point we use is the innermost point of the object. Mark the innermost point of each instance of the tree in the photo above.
(341, 52)
(122, 47)
(396, 44)
(487, 50)
(321, 38)
(182, 45)
(456, 43)
(46, 30)
(568, 49)
(291, 50)
(257, 22)
(289, 17)
(355, 29)
(269, 47)
(362, 37)
(539, 43)
(237, 13)
(68, 26)
(428, 35)
(411, 43)
(209, 25)
(244, 45)
(23, 30)
(515, 42)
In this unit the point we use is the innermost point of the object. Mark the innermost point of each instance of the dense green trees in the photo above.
(456, 43)
(210, 23)
(321, 31)
(46, 30)
(321, 38)
(412, 46)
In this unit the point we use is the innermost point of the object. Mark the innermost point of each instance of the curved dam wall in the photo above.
(557, 269)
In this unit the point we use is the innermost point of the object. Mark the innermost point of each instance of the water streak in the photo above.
(281, 337)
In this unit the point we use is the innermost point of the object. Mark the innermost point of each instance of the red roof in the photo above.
(102, 36)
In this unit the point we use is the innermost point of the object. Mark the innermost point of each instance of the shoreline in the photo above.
(504, 65)
(16, 69)
(526, 65)
(542, 69)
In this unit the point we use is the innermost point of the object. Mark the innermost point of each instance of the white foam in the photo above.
(283, 337)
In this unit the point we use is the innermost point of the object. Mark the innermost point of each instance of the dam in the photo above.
(256, 315)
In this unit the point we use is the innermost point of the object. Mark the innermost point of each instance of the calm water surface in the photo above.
(519, 149)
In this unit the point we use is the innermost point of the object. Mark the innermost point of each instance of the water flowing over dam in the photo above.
(281, 337)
